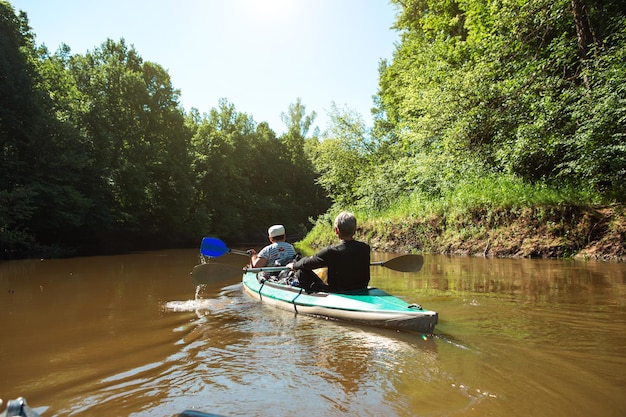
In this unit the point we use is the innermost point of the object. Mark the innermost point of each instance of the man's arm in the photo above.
(319, 260)
(256, 261)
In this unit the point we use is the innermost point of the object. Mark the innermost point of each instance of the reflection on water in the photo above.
(274, 360)
(285, 357)
(131, 335)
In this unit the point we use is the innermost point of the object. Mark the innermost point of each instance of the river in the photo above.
(130, 335)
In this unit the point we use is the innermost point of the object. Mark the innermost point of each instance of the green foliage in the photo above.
(96, 153)
(483, 89)
(490, 193)
(39, 173)
(248, 179)
(298, 124)
(599, 142)
(342, 157)
(138, 143)
(488, 106)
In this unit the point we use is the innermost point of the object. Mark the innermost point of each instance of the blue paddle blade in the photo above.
(212, 246)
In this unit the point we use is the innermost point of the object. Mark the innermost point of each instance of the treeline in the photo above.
(486, 107)
(491, 103)
(96, 154)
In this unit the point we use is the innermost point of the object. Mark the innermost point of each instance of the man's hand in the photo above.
(251, 252)
(290, 266)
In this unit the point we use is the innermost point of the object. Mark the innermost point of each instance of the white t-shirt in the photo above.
(278, 253)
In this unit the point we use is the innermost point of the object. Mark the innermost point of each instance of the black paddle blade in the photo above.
(212, 273)
(405, 263)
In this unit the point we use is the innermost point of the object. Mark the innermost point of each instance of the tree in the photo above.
(246, 178)
(300, 179)
(479, 88)
(96, 153)
(139, 143)
(40, 160)
(298, 124)
(343, 157)
(221, 150)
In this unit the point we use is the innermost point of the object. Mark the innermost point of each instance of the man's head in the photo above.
(345, 225)
(276, 232)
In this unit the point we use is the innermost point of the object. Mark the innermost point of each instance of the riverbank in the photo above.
(538, 232)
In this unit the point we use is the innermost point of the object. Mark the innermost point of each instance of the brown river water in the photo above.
(131, 335)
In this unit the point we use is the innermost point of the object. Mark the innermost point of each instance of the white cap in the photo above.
(276, 230)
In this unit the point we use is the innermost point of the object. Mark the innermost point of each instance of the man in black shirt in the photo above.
(348, 262)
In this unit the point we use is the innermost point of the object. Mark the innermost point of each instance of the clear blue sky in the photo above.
(260, 55)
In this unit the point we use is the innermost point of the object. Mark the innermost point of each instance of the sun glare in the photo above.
(270, 9)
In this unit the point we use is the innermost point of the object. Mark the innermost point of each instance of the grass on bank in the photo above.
(473, 210)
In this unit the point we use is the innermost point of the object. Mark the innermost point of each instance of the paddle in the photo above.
(403, 263)
(213, 247)
(211, 273)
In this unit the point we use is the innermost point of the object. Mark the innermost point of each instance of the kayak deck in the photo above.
(370, 306)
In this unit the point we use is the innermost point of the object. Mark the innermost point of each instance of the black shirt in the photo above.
(348, 265)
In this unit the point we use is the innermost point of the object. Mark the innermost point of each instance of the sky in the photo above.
(260, 55)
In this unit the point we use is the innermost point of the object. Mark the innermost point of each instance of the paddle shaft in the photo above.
(266, 269)
(213, 272)
(239, 252)
(402, 263)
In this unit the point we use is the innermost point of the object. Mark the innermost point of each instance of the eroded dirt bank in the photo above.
(543, 232)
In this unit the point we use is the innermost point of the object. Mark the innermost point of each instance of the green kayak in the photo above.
(370, 306)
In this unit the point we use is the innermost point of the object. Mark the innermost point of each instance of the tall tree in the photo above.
(247, 178)
(301, 179)
(40, 160)
(139, 143)
(298, 123)
(342, 157)
(221, 152)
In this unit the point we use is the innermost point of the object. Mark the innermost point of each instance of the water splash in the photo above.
(189, 305)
